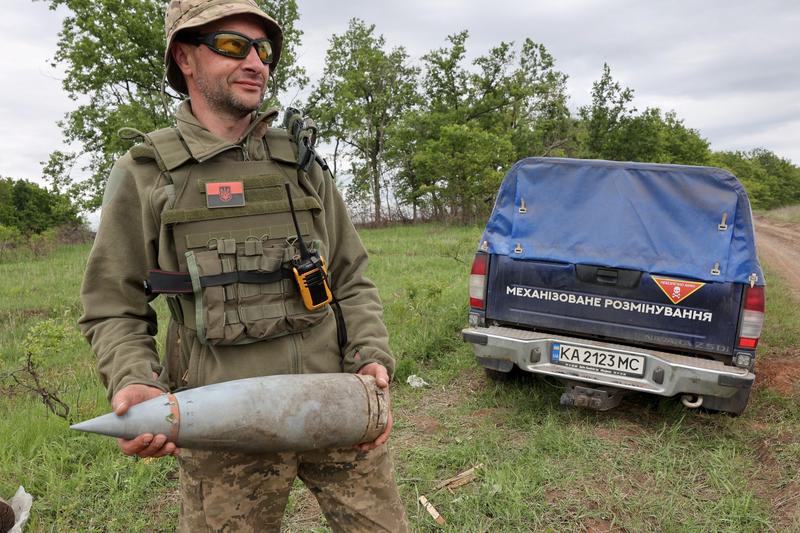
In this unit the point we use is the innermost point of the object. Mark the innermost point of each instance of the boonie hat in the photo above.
(184, 14)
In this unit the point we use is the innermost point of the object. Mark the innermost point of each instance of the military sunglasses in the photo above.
(233, 44)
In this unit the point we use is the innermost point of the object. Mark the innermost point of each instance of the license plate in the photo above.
(608, 362)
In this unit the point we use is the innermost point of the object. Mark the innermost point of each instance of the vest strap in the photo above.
(281, 146)
(176, 216)
(165, 282)
(199, 319)
(169, 146)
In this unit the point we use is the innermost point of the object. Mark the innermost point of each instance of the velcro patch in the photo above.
(225, 194)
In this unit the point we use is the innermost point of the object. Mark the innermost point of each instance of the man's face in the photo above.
(230, 87)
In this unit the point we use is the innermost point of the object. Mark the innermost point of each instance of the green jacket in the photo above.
(120, 323)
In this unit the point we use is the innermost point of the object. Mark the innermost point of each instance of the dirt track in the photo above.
(779, 247)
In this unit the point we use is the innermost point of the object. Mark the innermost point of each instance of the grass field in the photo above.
(785, 214)
(650, 465)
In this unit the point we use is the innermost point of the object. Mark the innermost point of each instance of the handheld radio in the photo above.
(309, 269)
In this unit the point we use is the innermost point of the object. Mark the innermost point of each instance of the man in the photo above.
(207, 198)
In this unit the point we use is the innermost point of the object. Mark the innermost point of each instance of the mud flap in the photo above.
(497, 365)
(734, 405)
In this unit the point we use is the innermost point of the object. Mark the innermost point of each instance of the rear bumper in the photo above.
(665, 374)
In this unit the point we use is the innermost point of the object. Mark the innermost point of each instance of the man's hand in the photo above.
(146, 444)
(381, 375)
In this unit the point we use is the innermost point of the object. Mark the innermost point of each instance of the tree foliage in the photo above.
(364, 90)
(113, 53)
(449, 152)
(609, 110)
(770, 180)
(31, 209)
(612, 129)
(464, 165)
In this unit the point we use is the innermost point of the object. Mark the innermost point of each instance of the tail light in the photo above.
(477, 281)
(752, 318)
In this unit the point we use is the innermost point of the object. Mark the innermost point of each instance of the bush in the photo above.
(33, 209)
(44, 243)
(16, 246)
(10, 237)
(74, 233)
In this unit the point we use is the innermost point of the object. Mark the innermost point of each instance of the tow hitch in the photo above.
(598, 399)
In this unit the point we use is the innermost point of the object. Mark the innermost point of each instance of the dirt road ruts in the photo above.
(779, 247)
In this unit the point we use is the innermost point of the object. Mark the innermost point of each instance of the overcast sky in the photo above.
(729, 68)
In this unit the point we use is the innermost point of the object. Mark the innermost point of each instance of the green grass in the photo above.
(649, 465)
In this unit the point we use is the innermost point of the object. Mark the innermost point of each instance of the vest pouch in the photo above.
(262, 309)
(243, 312)
(216, 319)
(278, 308)
(300, 318)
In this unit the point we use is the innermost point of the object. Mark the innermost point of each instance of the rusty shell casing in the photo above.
(265, 414)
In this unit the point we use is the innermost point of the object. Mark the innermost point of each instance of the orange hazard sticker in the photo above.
(677, 290)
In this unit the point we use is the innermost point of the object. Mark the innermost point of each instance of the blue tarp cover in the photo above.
(662, 219)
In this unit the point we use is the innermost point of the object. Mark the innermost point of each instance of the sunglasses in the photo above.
(234, 44)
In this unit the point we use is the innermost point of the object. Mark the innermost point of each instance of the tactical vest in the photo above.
(238, 258)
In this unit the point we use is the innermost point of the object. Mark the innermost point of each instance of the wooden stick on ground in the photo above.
(431, 510)
(461, 479)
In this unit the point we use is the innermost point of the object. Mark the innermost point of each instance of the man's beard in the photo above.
(224, 101)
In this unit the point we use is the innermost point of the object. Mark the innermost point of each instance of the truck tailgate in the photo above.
(620, 305)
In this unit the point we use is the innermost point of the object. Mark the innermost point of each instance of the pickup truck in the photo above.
(617, 277)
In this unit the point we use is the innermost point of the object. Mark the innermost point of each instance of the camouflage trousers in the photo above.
(224, 491)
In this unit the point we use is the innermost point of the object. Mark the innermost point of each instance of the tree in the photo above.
(613, 129)
(684, 145)
(543, 123)
(464, 166)
(364, 89)
(784, 178)
(450, 152)
(113, 53)
(608, 111)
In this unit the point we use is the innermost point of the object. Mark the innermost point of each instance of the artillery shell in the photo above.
(265, 414)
